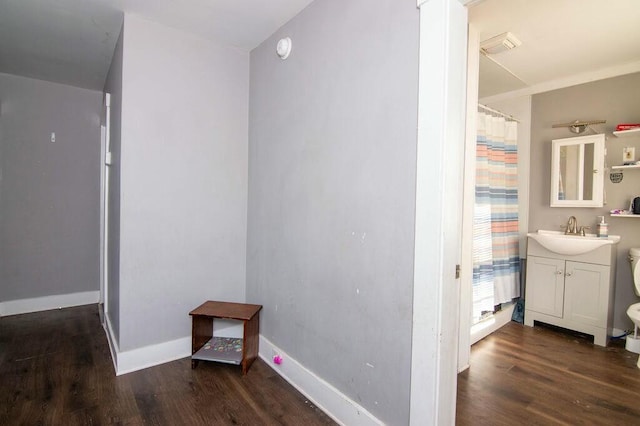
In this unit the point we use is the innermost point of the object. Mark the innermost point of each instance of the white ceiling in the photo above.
(560, 39)
(72, 41)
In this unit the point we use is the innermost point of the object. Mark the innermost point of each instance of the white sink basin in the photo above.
(571, 245)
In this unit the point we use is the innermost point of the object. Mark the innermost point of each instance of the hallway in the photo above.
(55, 369)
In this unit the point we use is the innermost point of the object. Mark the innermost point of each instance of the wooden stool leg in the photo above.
(201, 332)
(250, 342)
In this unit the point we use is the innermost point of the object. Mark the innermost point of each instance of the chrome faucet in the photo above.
(572, 226)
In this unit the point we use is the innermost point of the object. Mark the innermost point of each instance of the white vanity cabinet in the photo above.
(574, 292)
(546, 296)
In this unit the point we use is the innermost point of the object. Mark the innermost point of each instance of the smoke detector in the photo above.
(499, 43)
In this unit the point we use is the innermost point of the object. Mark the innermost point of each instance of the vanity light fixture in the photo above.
(579, 126)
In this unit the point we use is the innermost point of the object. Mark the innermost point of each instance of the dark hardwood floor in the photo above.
(55, 369)
(544, 376)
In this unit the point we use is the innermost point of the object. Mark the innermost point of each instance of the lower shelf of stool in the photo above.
(221, 349)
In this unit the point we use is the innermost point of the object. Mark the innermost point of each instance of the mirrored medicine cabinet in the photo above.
(577, 171)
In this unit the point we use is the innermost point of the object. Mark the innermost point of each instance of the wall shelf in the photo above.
(632, 166)
(627, 133)
(636, 216)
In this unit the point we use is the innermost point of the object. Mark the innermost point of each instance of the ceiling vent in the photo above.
(499, 43)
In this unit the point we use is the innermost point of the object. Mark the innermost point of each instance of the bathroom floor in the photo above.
(543, 375)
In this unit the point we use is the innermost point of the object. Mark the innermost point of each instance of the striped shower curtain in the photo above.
(496, 261)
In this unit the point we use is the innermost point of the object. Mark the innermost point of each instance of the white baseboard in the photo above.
(149, 356)
(45, 303)
(113, 342)
(160, 353)
(228, 328)
(334, 403)
(486, 327)
(146, 356)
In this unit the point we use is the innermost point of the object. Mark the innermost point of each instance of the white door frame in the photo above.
(105, 161)
(469, 185)
(440, 153)
(103, 142)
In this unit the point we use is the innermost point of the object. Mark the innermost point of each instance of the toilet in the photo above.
(634, 310)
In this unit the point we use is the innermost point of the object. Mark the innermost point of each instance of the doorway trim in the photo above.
(440, 148)
(105, 153)
(469, 184)
(103, 139)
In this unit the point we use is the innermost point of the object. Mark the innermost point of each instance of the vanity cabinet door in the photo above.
(586, 293)
(545, 285)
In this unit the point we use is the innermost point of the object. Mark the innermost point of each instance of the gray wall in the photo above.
(183, 179)
(332, 157)
(49, 192)
(113, 86)
(616, 100)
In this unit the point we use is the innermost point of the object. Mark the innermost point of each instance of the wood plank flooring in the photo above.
(544, 376)
(55, 369)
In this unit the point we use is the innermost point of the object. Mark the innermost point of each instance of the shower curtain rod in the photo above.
(500, 113)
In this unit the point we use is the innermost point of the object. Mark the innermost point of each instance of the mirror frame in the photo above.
(598, 170)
